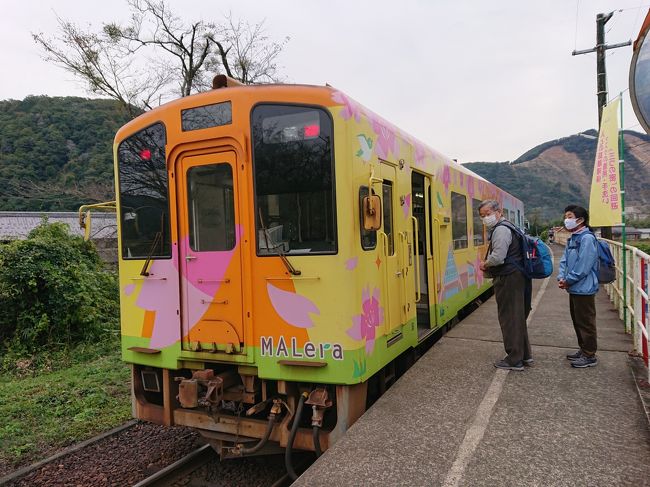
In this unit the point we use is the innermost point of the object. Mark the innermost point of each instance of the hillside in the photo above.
(56, 152)
(556, 173)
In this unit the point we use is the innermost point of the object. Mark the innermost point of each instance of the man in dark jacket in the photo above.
(503, 263)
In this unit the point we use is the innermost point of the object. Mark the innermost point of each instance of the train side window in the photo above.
(368, 237)
(387, 197)
(459, 220)
(478, 228)
(519, 218)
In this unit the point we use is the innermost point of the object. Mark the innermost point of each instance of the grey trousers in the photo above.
(509, 291)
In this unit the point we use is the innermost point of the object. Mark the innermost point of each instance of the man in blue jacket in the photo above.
(579, 276)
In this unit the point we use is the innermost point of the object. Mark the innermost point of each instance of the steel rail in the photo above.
(180, 468)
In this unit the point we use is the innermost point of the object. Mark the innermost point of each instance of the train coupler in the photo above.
(319, 401)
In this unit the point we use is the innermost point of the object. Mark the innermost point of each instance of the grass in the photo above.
(62, 399)
(642, 245)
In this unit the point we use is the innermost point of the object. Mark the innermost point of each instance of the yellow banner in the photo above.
(605, 199)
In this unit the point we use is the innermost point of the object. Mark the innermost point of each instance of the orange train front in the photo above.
(250, 289)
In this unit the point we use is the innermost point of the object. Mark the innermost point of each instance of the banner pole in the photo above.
(621, 165)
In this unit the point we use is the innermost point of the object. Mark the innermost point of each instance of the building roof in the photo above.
(15, 225)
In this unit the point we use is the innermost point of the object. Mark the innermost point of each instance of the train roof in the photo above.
(326, 95)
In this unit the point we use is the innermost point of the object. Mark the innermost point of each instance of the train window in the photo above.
(144, 202)
(293, 162)
(206, 116)
(368, 237)
(387, 197)
(477, 224)
(459, 220)
(519, 218)
(211, 205)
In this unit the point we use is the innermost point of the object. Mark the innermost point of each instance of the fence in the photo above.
(634, 309)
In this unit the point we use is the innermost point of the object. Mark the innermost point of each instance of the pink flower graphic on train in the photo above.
(420, 154)
(352, 263)
(446, 177)
(351, 109)
(204, 278)
(386, 140)
(406, 207)
(292, 307)
(470, 187)
(159, 294)
(364, 325)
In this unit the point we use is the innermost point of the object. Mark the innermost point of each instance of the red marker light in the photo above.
(312, 130)
(145, 154)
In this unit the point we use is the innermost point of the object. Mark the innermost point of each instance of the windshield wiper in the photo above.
(156, 239)
(278, 248)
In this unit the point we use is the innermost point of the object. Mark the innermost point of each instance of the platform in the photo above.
(454, 420)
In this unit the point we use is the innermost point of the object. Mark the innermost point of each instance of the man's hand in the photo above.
(482, 266)
(562, 284)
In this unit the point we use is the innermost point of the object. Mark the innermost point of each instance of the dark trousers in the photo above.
(510, 293)
(583, 315)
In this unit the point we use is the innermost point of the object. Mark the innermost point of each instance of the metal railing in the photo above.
(629, 294)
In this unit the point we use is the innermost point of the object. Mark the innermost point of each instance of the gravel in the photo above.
(138, 452)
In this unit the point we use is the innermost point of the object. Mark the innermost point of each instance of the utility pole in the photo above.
(601, 75)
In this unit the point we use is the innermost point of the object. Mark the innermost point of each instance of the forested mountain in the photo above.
(56, 152)
(556, 173)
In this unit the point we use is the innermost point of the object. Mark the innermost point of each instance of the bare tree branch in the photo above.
(138, 63)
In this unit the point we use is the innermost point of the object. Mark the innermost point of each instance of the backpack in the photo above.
(606, 263)
(537, 256)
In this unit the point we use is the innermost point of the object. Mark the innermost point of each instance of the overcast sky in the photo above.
(477, 80)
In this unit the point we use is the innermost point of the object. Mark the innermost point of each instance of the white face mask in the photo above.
(490, 220)
(570, 223)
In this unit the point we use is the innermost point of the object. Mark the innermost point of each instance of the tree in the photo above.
(157, 55)
(54, 291)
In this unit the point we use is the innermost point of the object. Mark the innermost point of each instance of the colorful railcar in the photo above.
(248, 280)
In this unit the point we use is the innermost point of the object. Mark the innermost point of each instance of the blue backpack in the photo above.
(538, 260)
(606, 263)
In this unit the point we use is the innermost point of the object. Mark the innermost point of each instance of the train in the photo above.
(284, 252)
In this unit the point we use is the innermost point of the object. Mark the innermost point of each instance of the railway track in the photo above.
(129, 453)
(178, 471)
(180, 468)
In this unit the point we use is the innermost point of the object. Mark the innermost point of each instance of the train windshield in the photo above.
(294, 180)
(144, 204)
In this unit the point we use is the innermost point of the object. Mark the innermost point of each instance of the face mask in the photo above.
(570, 223)
(490, 220)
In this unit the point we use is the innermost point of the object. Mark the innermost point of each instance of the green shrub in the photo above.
(54, 292)
(643, 247)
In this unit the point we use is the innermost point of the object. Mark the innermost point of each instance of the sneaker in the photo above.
(528, 362)
(584, 361)
(502, 364)
(574, 356)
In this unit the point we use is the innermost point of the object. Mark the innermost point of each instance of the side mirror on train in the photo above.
(372, 212)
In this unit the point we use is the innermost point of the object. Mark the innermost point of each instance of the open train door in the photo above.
(422, 253)
(210, 254)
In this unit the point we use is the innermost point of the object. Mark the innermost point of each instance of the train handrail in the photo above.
(416, 253)
(381, 234)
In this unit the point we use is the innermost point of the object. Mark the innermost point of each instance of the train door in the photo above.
(419, 193)
(388, 242)
(209, 253)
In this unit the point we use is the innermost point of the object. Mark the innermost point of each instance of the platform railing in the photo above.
(631, 299)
